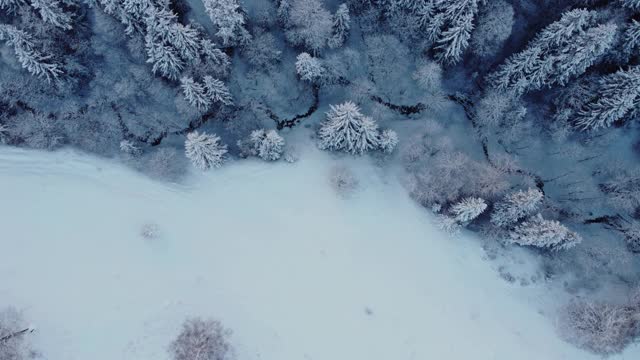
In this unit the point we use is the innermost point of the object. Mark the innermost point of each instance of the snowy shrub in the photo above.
(388, 141)
(308, 24)
(428, 75)
(623, 189)
(632, 236)
(268, 145)
(262, 52)
(205, 151)
(309, 68)
(448, 224)
(541, 233)
(129, 148)
(14, 336)
(468, 209)
(165, 163)
(444, 176)
(516, 206)
(497, 108)
(201, 340)
(493, 28)
(346, 129)
(150, 231)
(602, 328)
(342, 180)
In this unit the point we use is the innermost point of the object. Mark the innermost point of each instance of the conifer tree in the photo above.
(346, 129)
(516, 206)
(468, 209)
(228, 19)
(563, 50)
(617, 97)
(217, 91)
(31, 59)
(341, 26)
(205, 151)
(548, 234)
(195, 93)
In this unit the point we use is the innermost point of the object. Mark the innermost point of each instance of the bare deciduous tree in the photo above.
(201, 340)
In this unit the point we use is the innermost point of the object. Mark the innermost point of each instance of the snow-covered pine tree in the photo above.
(205, 151)
(631, 4)
(52, 13)
(268, 145)
(561, 51)
(516, 206)
(31, 59)
(217, 91)
(195, 93)
(388, 141)
(449, 26)
(632, 36)
(468, 209)
(228, 19)
(217, 56)
(346, 129)
(341, 26)
(309, 68)
(164, 59)
(617, 98)
(541, 233)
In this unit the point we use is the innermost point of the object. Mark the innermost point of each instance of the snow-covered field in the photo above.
(269, 249)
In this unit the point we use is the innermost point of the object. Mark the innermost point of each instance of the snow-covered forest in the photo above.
(509, 122)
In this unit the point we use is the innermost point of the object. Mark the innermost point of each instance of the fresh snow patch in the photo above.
(296, 271)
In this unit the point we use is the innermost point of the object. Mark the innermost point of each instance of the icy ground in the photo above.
(297, 272)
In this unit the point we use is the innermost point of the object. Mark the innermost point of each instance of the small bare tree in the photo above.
(201, 340)
(342, 180)
(13, 332)
(601, 328)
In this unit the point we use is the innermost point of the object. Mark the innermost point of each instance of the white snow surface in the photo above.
(296, 271)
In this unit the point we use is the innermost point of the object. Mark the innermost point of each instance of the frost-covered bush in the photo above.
(164, 163)
(622, 189)
(343, 180)
(388, 141)
(602, 328)
(541, 233)
(129, 148)
(309, 68)
(428, 75)
(267, 144)
(308, 24)
(262, 51)
(493, 28)
(516, 206)
(444, 176)
(201, 339)
(448, 224)
(205, 151)
(14, 336)
(346, 129)
(497, 108)
(150, 231)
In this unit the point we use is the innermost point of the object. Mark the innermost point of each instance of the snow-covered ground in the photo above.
(296, 271)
